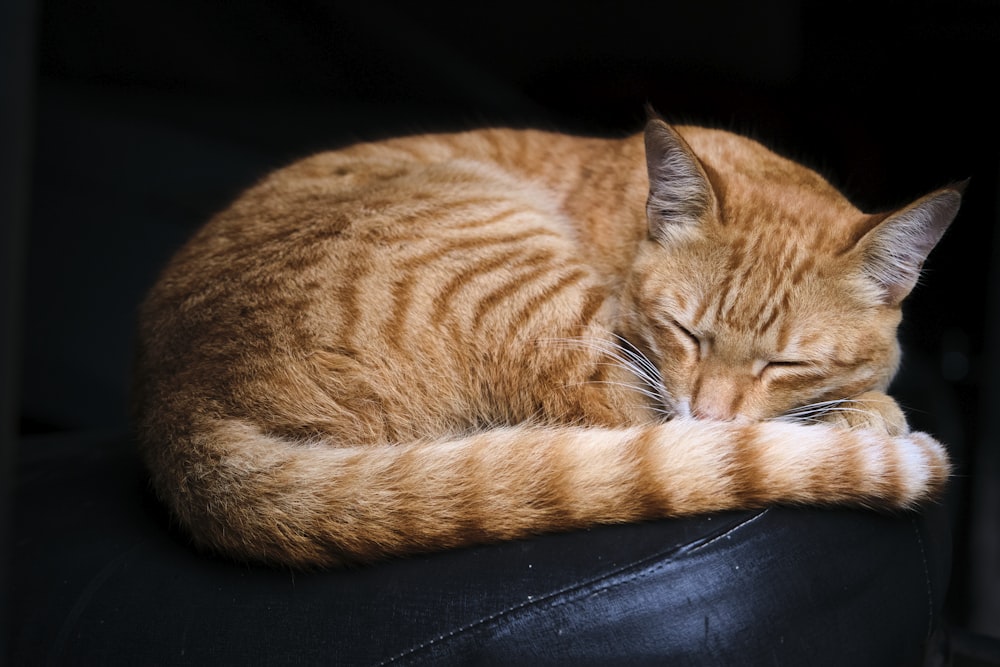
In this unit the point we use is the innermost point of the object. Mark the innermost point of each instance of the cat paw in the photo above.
(871, 410)
(937, 466)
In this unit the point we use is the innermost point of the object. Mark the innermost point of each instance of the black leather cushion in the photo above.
(101, 578)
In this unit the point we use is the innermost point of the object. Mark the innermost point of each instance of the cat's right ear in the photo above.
(894, 249)
(680, 194)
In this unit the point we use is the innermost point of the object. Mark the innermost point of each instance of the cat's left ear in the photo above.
(895, 248)
(680, 194)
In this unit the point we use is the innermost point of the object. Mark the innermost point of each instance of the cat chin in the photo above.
(682, 409)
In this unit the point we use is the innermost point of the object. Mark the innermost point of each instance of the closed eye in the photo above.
(777, 365)
(702, 344)
(687, 332)
(788, 367)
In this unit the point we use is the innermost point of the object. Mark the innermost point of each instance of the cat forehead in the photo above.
(741, 324)
(783, 215)
(756, 291)
(756, 259)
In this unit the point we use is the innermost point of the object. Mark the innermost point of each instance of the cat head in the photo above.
(760, 288)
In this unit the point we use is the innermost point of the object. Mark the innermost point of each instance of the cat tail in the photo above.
(257, 497)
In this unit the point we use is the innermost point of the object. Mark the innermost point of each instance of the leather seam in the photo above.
(646, 566)
(927, 578)
(660, 565)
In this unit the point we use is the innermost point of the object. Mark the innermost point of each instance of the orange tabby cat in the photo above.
(437, 341)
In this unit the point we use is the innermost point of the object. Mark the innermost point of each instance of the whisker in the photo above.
(623, 354)
(814, 412)
(636, 388)
(638, 356)
(798, 419)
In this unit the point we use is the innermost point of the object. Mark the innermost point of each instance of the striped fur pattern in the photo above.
(444, 340)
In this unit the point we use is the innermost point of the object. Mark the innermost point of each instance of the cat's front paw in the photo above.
(870, 410)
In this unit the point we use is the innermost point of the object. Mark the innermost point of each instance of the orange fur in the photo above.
(442, 340)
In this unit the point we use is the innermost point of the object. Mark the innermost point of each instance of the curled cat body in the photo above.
(443, 340)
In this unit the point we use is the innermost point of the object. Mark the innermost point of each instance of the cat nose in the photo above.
(714, 412)
(717, 396)
(715, 402)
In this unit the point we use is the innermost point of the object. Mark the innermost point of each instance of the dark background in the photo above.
(126, 124)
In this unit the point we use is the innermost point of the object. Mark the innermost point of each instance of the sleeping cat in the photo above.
(443, 340)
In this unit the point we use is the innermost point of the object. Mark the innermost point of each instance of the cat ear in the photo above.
(894, 250)
(680, 194)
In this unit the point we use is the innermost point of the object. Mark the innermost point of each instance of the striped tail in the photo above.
(265, 499)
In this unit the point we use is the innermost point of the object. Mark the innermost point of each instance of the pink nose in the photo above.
(718, 395)
(712, 410)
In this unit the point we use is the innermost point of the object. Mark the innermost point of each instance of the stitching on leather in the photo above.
(659, 566)
(539, 601)
(927, 578)
(582, 588)
(738, 526)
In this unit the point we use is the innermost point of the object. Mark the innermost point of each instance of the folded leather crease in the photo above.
(569, 594)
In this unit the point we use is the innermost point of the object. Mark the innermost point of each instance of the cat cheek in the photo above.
(758, 404)
(769, 397)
